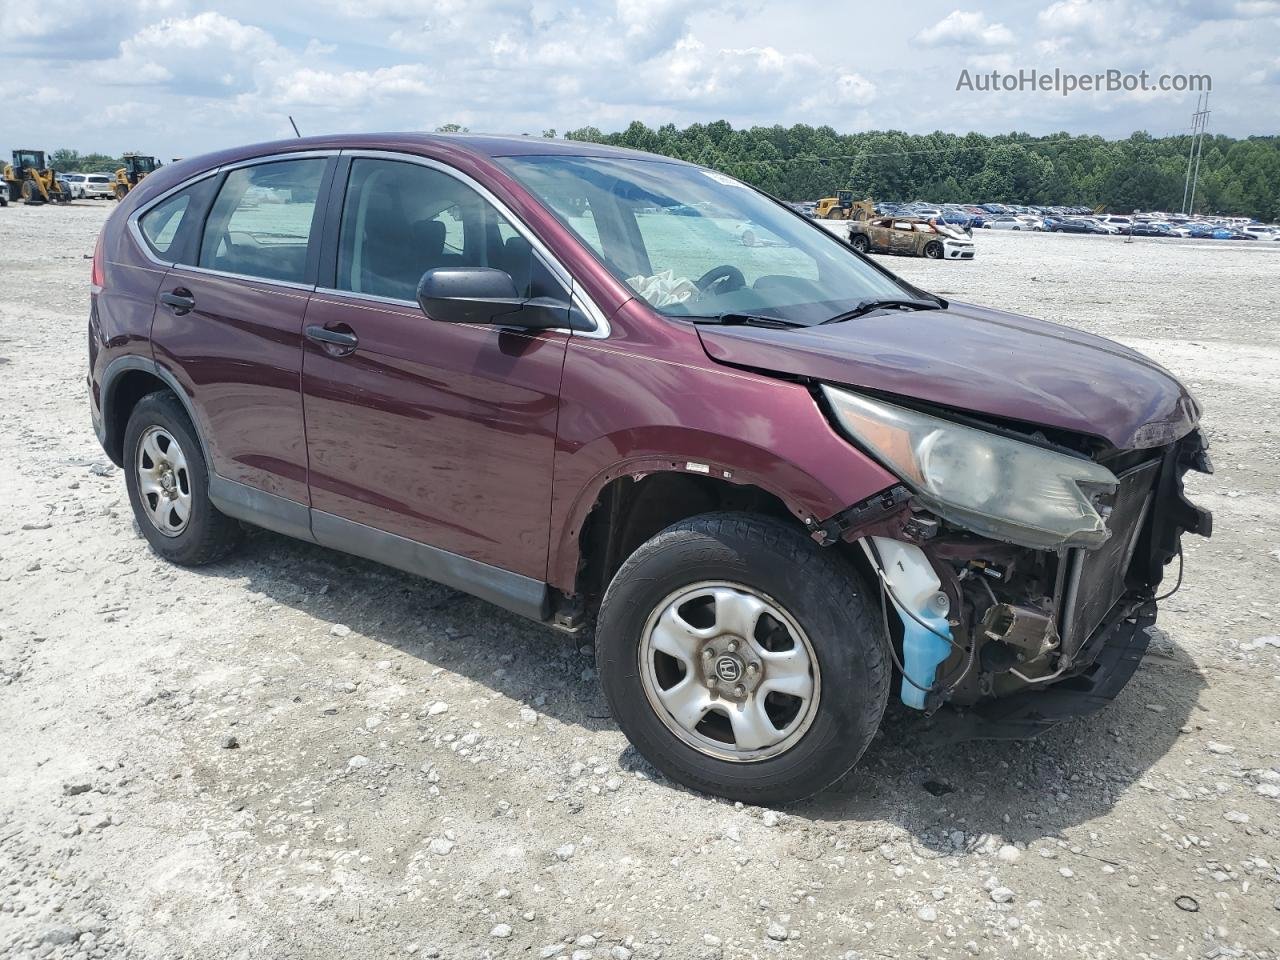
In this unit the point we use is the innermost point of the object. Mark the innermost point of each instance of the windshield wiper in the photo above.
(747, 320)
(866, 306)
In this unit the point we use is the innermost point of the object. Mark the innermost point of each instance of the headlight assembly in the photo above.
(993, 485)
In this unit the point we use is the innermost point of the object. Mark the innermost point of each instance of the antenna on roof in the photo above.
(295, 128)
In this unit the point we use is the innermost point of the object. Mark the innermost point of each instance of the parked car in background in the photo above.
(1107, 228)
(1074, 225)
(1004, 222)
(72, 184)
(1261, 231)
(1141, 228)
(99, 186)
(908, 236)
(1116, 221)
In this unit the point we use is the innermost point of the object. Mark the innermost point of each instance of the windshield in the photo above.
(695, 243)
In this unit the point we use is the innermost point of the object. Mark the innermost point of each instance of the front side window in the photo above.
(401, 219)
(261, 223)
(695, 243)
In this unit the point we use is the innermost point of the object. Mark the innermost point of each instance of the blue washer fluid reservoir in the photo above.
(917, 589)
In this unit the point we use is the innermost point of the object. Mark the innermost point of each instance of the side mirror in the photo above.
(489, 295)
(468, 294)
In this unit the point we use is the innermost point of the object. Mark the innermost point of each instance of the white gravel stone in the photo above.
(927, 914)
(501, 931)
(1001, 894)
(437, 708)
(776, 931)
(356, 762)
(340, 630)
(565, 852)
(1009, 854)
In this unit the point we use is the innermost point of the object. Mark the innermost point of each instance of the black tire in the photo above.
(933, 250)
(815, 586)
(209, 535)
(860, 242)
(120, 191)
(31, 194)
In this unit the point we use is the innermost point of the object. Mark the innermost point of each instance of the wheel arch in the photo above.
(126, 381)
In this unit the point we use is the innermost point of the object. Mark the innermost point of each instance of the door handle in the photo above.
(180, 301)
(339, 342)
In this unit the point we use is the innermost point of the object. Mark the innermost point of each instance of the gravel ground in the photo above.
(298, 754)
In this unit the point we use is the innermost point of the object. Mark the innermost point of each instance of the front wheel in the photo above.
(933, 250)
(860, 242)
(741, 659)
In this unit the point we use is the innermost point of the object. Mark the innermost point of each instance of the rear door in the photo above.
(229, 321)
(418, 430)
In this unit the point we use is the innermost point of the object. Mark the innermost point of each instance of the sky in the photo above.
(179, 77)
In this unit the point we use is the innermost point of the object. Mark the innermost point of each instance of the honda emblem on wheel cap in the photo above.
(729, 669)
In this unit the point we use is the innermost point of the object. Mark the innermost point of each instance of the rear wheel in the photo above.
(120, 191)
(933, 250)
(860, 242)
(31, 192)
(742, 659)
(168, 483)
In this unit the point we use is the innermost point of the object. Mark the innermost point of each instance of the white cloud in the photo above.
(349, 88)
(199, 80)
(207, 54)
(964, 28)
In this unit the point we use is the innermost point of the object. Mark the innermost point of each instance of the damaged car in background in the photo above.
(593, 386)
(905, 236)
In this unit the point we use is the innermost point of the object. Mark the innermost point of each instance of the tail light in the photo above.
(98, 276)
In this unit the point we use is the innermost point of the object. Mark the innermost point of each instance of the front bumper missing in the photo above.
(1020, 716)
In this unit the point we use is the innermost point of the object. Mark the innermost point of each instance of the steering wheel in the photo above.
(726, 274)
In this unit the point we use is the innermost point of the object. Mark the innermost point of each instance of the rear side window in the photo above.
(262, 221)
(171, 227)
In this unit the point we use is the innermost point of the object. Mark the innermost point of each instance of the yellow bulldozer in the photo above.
(136, 166)
(29, 179)
(843, 207)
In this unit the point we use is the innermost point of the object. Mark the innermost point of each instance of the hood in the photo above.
(982, 361)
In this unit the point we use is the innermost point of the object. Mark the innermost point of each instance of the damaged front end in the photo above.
(1022, 573)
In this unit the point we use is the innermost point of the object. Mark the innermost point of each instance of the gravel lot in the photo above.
(298, 754)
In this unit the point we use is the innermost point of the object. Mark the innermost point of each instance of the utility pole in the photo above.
(1199, 120)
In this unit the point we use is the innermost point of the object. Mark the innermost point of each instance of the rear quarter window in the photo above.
(170, 228)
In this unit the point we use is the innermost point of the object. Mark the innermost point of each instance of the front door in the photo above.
(442, 434)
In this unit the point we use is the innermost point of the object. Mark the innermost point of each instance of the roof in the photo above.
(457, 147)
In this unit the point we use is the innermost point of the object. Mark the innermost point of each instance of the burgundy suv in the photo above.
(589, 384)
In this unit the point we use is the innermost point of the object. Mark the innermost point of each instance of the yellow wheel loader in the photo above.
(136, 166)
(28, 179)
(843, 207)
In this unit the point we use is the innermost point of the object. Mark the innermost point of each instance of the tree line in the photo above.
(73, 161)
(1238, 177)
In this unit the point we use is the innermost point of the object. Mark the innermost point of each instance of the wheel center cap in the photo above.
(729, 669)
